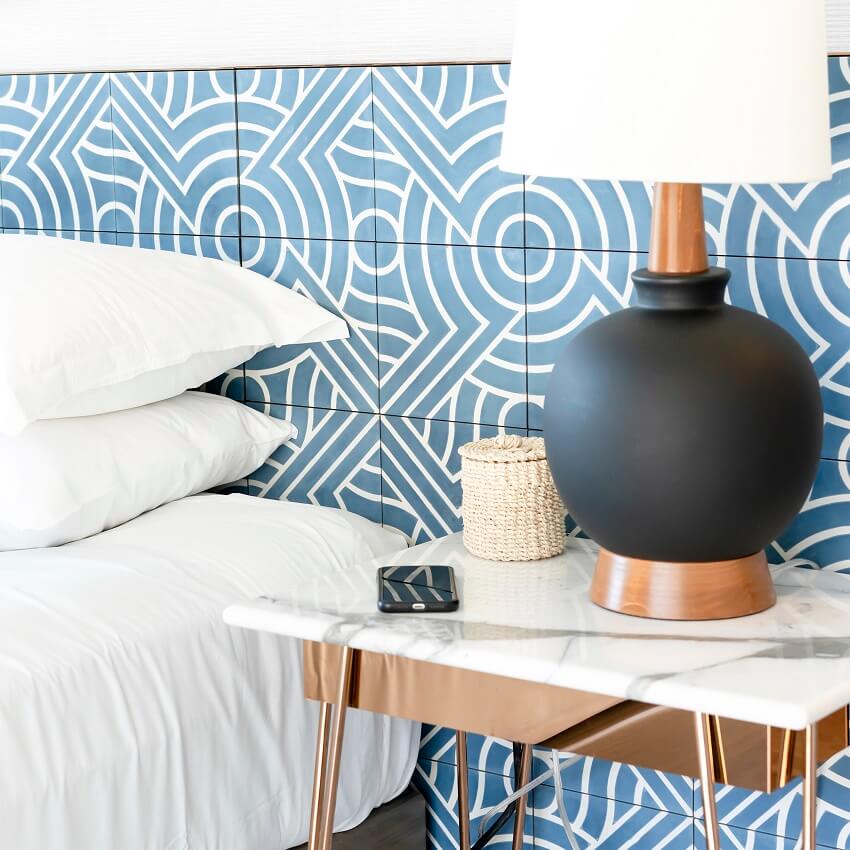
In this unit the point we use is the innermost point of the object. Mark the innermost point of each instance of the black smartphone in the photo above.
(414, 589)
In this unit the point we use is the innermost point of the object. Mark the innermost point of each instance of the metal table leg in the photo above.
(462, 791)
(786, 764)
(328, 752)
(522, 771)
(706, 770)
(317, 805)
(810, 790)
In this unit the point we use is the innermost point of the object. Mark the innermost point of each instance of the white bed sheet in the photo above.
(132, 718)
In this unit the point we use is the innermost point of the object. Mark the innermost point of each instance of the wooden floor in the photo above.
(400, 825)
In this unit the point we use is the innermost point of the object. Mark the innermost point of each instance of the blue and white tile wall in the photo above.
(377, 193)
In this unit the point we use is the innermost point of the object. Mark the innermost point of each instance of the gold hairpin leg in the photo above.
(523, 775)
(314, 841)
(706, 771)
(328, 754)
(717, 749)
(786, 764)
(462, 792)
(810, 789)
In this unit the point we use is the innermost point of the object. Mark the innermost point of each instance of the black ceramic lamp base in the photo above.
(684, 435)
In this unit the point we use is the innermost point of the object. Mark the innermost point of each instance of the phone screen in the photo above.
(417, 586)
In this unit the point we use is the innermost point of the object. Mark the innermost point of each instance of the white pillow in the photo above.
(64, 479)
(86, 329)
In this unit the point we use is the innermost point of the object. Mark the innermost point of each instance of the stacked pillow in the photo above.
(98, 345)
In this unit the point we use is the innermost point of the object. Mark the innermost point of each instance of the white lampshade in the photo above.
(679, 91)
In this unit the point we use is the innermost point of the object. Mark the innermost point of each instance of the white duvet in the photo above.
(132, 718)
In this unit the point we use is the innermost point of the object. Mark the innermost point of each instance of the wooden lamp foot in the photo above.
(716, 590)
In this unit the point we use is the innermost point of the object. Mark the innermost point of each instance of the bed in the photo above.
(132, 718)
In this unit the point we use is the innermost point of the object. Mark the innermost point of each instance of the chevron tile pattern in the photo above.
(780, 813)
(56, 152)
(175, 152)
(334, 460)
(340, 375)
(437, 144)
(438, 784)
(607, 824)
(305, 145)
(421, 473)
(451, 323)
(377, 192)
(732, 838)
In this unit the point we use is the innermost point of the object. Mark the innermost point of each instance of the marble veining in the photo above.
(786, 667)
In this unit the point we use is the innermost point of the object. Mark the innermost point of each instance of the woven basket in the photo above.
(511, 509)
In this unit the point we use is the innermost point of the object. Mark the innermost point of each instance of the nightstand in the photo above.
(752, 702)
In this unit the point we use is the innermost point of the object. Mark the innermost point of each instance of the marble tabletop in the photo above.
(786, 667)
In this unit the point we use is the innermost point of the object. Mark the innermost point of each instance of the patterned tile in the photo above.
(641, 787)
(437, 782)
(175, 152)
(486, 755)
(593, 215)
(732, 838)
(566, 291)
(811, 300)
(780, 813)
(421, 473)
(437, 744)
(341, 375)
(821, 532)
(607, 824)
(452, 333)
(437, 144)
(56, 152)
(305, 144)
(224, 248)
(334, 460)
(73, 235)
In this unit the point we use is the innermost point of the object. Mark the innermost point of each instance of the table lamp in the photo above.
(683, 434)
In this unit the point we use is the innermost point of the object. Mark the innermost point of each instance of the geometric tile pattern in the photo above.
(437, 145)
(56, 152)
(780, 813)
(302, 469)
(451, 328)
(175, 153)
(438, 784)
(340, 375)
(305, 147)
(607, 824)
(377, 192)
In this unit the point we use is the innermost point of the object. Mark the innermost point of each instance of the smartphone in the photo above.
(407, 589)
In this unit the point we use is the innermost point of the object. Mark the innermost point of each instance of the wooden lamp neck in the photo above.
(678, 244)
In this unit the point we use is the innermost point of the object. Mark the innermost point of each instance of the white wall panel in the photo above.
(838, 18)
(91, 35)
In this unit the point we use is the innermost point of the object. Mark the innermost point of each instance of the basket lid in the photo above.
(506, 448)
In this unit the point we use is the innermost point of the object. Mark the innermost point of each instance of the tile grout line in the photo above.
(239, 204)
(470, 245)
(377, 299)
(502, 426)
